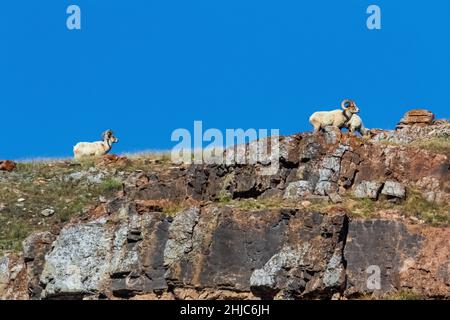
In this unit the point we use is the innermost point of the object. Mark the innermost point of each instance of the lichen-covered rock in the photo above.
(181, 229)
(394, 189)
(79, 260)
(368, 189)
(300, 270)
(298, 189)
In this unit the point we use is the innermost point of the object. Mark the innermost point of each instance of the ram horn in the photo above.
(345, 102)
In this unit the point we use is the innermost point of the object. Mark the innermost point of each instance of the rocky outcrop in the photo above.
(291, 254)
(136, 246)
(7, 165)
(416, 117)
(208, 252)
(384, 257)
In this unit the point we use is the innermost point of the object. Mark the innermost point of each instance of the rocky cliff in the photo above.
(343, 217)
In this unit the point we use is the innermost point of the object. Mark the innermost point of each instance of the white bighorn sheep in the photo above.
(335, 118)
(356, 125)
(95, 149)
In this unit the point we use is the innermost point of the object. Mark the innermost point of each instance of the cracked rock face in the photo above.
(78, 261)
(210, 249)
(377, 250)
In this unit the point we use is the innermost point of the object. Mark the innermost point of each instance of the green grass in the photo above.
(415, 205)
(431, 213)
(110, 184)
(43, 186)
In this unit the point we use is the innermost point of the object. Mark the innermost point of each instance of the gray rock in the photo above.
(335, 197)
(330, 134)
(265, 279)
(324, 188)
(298, 189)
(332, 163)
(48, 212)
(180, 235)
(340, 150)
(96, 178)
(377, 245)
(394, 189)
(79, 261)
(4, 272)
(76, 176)
(368, 189)
(334, 271)
(124, 259)
(325, 174)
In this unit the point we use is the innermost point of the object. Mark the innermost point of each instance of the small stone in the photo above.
(21, 200)
(102, 199)
(394, 189)
(47, 212)
(368, 189)
(306, 203)
(298, 189)
(74, 176)
(335, 197)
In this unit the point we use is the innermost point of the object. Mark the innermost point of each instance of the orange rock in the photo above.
(417, 117)
(143, 206)
(7, 165)
(112, 159)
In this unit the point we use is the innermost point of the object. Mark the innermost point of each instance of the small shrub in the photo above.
(110, 184)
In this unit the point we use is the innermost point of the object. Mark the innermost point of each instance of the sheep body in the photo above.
(86, 149)
(95, 149)
(355, 124)
(335, 118)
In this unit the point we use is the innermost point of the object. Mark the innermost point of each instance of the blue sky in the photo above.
(144, 68)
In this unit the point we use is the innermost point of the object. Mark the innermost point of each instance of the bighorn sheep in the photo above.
(356, 125)
(334, 118)
(96, 149)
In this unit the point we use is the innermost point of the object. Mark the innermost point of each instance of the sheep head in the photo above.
(108, 135)
(350, 105)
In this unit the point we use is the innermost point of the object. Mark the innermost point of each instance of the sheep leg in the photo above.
(316, 126)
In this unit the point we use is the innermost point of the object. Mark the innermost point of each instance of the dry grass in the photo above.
(437, 145)
(404, 295)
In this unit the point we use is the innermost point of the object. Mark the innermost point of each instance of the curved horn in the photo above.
(345, 102)
(108, 133)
